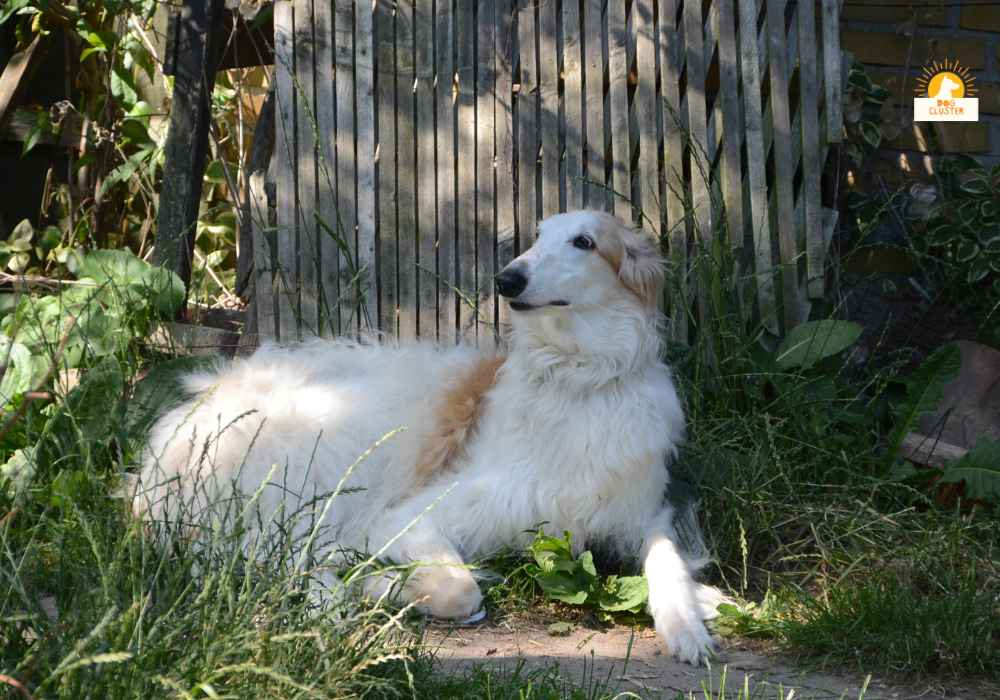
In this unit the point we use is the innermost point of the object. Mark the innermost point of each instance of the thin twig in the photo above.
(211, 273)
(29, 281)
(16, 685)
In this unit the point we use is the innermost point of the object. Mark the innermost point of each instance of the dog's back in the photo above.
(299, 418)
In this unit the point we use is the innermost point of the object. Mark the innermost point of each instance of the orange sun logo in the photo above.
(946, 80)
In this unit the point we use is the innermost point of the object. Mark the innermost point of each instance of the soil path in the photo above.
(602, 654)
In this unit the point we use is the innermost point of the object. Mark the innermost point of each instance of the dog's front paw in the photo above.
(687, 639)
(448, 592)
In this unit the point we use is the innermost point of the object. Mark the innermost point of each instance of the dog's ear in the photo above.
(641, 268)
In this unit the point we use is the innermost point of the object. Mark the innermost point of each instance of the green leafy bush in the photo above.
(960, 246)
(575, 581)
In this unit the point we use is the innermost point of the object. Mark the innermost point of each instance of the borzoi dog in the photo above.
(573, 427)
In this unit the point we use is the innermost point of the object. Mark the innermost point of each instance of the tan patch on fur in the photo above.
(457, 414)
(609, 247)
(633, 256)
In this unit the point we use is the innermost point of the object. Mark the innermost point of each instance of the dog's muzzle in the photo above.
(511, 282)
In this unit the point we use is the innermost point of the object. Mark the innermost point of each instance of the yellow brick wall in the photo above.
(895, 43)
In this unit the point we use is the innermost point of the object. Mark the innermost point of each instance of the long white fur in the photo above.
(576, 432)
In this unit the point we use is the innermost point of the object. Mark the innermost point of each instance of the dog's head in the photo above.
(583, 260)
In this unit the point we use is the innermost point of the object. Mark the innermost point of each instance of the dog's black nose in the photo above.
(511, 282)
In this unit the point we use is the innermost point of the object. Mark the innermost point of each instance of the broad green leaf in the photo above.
(16, 475)
(23, 370)
(135, 280)
(966, 251)
(561, 629)
(562, 587)
(871, 133)
(813, 341)
(623, 593)
(924, 389)
(122, 86)
(12, 7)
(90, 415)
(979, 469)
(24, 231)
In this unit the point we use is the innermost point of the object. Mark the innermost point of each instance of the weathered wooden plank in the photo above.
(784, 168)
(326, 170)
(621, 181)
(385, 24)
(812, 158)
(731, 126)
(364, 70)
(261, 229)
(831, 70)
(673, 164)
(701, 204)
(260, 155)
(572, 75)
(548, 90)
(485, 174)
(595, 191)
(446, 213)
(466, 196)
(756, 157)
(187, 139)
(648, 176)
(528, 138)
(306, 174)
(406, 170)
(423, 39)
(286, 195)
(345, 228)
(506, 35)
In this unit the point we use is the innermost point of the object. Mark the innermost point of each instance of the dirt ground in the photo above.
(646, 669)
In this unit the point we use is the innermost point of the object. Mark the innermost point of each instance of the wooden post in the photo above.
(187, 139)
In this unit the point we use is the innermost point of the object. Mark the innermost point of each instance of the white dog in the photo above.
(574, 428)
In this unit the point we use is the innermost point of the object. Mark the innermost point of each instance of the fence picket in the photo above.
(784, 169)
(445, 189)
(548, 90)
(388, 196)
(572, 126)
(506, 33)
(465, 273)
(286, 191)
(364, 69)
(621, 181)
(426, 232)
(406, 172)
(648, 176)
(811, 196)
(595, 190)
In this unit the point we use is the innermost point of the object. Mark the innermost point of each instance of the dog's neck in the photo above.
(583, 350)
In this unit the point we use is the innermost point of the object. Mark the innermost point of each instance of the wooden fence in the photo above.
(419, 142)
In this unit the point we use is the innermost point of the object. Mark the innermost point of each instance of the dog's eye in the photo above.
(583, 242)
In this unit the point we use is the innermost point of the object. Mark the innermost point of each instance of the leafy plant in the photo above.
(813, 341)
(863, 102)
(924, 389)
(960, 244)
(575, 581)
(979, 469)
